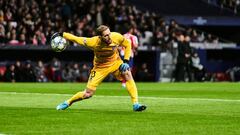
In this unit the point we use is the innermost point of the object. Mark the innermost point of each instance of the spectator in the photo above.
(29, 74)
(19, 71)
(159, 40)
(198, 69)
(183, 59)
(84, 72)
(76, 72)
(67, 74)
(143, 74)
(13, 40)
(22, 39)
(56, 68)
(208, 39)
(1, 17)
(194, 36)
(39, 38)
(49, 71)
(40, 72)
(234, 73)
(8, 15)
(2, 34)
(10, 75)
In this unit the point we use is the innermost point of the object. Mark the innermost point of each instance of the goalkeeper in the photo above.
(106, 61)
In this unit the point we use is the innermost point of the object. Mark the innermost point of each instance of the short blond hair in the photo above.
(100, 29)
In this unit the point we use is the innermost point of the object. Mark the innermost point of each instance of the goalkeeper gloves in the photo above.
(56, 34)
(125, 66)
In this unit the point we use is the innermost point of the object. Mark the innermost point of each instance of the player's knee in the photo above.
(87, 96)
(127, 75)
(88, 93)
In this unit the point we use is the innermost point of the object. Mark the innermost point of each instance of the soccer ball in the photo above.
(58, 44)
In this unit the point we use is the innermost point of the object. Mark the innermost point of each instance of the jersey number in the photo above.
(93, 73)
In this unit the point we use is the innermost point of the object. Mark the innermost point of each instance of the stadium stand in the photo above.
(21, 26)
(233, 5)
(30, 23)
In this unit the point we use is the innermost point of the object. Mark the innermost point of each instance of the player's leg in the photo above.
(132, 90)
(122, 57)
(95, 78)
(131, 87)
(131, 66)
(87, 93)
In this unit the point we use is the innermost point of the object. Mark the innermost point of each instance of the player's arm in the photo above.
(85, 41)
(125, 43)
(135, 42)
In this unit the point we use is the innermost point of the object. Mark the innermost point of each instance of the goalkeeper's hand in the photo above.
(124, 67)
(56, 34)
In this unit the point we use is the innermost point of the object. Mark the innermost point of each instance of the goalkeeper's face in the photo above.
(106, 36)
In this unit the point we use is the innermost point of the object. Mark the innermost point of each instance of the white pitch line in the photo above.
(143, 97)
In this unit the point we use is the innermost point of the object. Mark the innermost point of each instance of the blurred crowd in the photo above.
(33, 21)
(57, 71)
(234, 5)
(54, 71)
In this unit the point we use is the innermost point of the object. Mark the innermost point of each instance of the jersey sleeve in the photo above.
(125, 43)
(85, 41)
(135, 41)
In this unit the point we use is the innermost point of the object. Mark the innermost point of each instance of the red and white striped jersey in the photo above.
(134, 43)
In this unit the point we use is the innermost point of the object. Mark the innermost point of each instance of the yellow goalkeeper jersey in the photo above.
(104, 55)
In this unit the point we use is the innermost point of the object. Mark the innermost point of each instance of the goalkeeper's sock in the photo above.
(77, 97)
(132, 90)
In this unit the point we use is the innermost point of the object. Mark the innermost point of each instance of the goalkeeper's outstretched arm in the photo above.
(73, 38)
(89, 42)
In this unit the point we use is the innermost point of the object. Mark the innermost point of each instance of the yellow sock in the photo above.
(132, 90)
(78, 96)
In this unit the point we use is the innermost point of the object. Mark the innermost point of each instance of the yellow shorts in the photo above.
(97, 75)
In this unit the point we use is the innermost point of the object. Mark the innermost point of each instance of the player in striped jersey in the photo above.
(130, 36)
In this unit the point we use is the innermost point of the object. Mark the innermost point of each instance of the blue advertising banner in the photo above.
(206, 21)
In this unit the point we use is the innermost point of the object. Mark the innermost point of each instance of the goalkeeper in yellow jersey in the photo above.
(106, 61)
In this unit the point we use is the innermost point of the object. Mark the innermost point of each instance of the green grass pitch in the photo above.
(173, 109)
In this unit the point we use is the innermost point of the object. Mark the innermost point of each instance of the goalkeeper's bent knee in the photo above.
(87, 95)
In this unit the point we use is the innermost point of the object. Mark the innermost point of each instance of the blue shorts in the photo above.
(130, 61)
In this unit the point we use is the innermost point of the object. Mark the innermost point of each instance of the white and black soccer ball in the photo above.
(58, 44)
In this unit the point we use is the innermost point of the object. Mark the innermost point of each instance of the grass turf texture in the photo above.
(173, 108)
